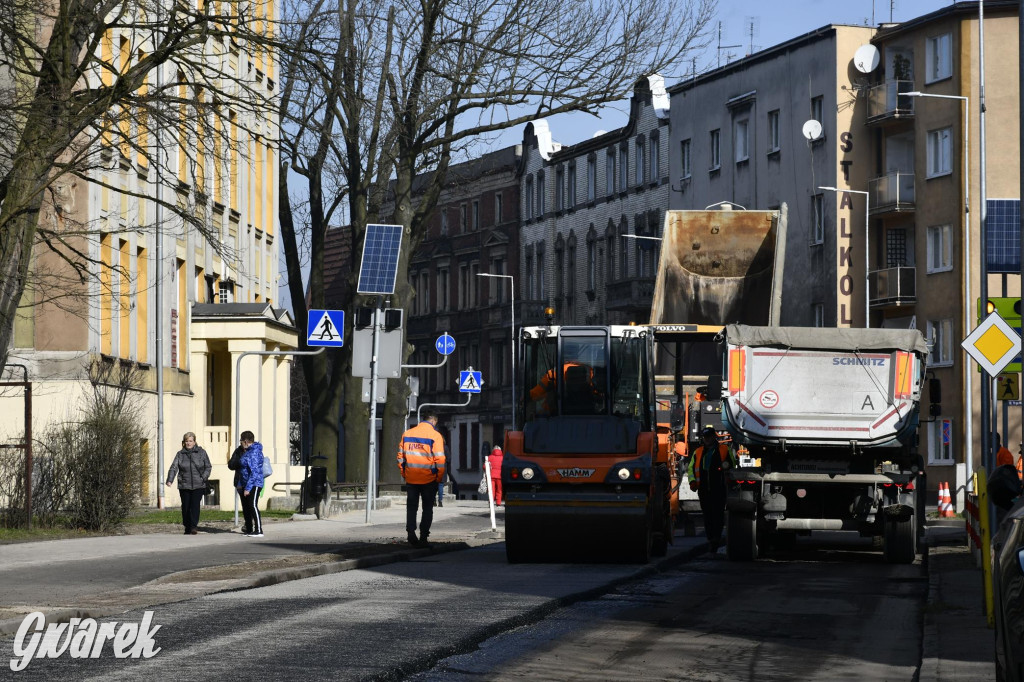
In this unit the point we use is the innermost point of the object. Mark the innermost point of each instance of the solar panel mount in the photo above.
(379, 267)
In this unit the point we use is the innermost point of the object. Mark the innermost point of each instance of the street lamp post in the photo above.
(867, 232)
(512, 284)
(969, 393)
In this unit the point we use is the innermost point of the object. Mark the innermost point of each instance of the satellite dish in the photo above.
(812, 130)
(866, 58)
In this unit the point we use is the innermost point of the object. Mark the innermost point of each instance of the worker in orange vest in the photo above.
(707, 478)
(545, 388)
(422, 463)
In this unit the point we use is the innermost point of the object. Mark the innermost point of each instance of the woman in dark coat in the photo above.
(192, 468)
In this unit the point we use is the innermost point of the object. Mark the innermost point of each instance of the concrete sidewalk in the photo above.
(106, 576)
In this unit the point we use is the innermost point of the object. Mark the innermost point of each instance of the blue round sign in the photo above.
(445, 344)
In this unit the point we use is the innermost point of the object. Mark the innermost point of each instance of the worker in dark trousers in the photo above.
(706, 472)
(422, 463)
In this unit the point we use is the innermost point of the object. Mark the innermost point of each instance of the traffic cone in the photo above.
(941, 506)
(947, 502)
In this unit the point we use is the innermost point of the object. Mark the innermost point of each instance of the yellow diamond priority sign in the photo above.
(993, 344)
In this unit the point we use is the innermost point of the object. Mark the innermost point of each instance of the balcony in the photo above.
(893, 287)
(892, 193)
(886, 103)
(630, 295)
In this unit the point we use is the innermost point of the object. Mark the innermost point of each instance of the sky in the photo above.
(773, 21)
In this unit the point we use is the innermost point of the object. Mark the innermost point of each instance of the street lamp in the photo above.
(969, 397)
(512, 283)
(867, 231)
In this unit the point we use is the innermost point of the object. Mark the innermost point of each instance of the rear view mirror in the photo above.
(714, 391)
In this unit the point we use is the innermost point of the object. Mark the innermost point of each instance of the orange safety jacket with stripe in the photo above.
(421, 454)
(696, 465)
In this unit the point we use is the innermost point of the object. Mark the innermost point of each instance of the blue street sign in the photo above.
(445, 344)
(469, 382)
(325, 328)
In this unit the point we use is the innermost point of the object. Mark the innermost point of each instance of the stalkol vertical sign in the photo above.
(844, 262)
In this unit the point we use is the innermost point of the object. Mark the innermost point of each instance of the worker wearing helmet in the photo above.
(707, 478)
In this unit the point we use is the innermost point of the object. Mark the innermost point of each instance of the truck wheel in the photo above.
(741, 543)
(900, 545)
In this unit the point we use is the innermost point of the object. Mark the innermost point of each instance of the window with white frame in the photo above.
(940, 441)
(528, 202)
(541, 195)
(623, 167)
(940, 248)
(773, 131)
(591, 178)
(940, 336)
(609, 172)
(655, 173)
(938, 57)
(940, 152)
(641, 161)
(684, 158)
(741, 143)
(818, 218)
(716, 149)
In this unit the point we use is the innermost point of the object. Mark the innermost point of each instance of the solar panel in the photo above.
(379, 268)
(1003, 221)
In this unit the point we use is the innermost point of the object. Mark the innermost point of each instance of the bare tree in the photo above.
(86, 88)
(398, 88)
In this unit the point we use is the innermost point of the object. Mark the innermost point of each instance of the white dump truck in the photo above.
(828, 418)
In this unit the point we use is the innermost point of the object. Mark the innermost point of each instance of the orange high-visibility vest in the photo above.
(421, 454)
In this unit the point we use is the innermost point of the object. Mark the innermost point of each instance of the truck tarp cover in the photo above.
(826, 338)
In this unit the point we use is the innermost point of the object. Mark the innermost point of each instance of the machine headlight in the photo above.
(527, 473)
(623, 473)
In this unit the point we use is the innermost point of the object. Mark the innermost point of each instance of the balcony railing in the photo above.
(885, 101)
(893, 286)
(631, 294)
(892, 192)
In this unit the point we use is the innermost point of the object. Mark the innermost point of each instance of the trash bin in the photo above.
(317, 481)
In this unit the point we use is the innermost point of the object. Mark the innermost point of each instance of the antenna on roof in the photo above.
(721, 46)
(753, 29)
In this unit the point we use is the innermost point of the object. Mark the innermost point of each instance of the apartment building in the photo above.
(926, 204)
(202, 299)
(463, 274)
(592, 214)
(738, 136)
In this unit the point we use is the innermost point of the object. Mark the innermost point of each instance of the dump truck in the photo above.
(829, 419)
(716, 267)
(591, 468)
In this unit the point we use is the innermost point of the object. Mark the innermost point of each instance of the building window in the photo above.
(641, 161)
(559, 268)
(541, 195)
(940, 248)
(570, 270)
(818, 110)
(423, 294)
(940, 335)
(818, 218)
(529, 197)
(818, 309)
(542, 289)
(474, 223)
(655, 174)
(496, 294)
(444, 222)
(529, 275)
(940, 441)
(741, 143)
(463, 218)
(609, 172)
(609, 253)
(939, 58)
(684, 158)
(591, 177)
(227, 291)
(716, 149)
(591, 260)
(442, 289)
(623, 167)
(464, 286)
(624, 248)
(499, 208)
(571, 186)
(940, 152)
(560, 188)
(773, 131)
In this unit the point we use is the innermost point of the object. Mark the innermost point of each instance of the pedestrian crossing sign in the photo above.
(325, 328)
(469, 382)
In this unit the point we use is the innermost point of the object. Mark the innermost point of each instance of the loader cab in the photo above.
(585, 389)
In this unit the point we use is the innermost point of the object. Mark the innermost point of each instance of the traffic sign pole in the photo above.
(371, 474)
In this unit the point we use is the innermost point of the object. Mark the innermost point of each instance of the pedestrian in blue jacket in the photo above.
(251, 482)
